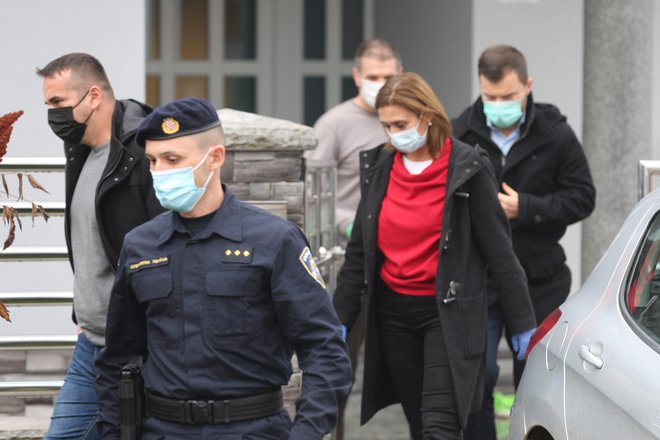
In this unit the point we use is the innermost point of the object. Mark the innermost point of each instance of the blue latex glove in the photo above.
(343, 332)
(519, 341)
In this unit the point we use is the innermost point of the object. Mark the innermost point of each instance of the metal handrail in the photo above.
(30, 388)
(33, 164)
(34, 253)
(45, 298)
(37, 342)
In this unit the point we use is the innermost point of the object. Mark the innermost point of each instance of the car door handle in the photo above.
(590, 358)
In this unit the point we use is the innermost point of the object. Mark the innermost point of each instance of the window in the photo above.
(348, 89)
(289, 59)
(314, 24)
(193, 29)
(240, 29)
(643, 293)
(352, 19)
(241, 93)
(314, 92)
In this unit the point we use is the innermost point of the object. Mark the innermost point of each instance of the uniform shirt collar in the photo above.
(504, 143)
(226, 222)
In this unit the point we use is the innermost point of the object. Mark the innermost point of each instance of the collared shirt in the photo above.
(220, 312)
(504, 142)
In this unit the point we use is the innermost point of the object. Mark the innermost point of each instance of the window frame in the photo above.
(640, 254)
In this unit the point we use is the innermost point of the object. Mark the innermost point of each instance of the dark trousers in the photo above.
(418, 364)
(546, 294)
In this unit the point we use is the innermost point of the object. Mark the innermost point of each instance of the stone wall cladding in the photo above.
(264, 159)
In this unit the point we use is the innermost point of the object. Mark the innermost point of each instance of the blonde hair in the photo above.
(410, 91)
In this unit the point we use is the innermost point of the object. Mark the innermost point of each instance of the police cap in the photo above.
(182, 117)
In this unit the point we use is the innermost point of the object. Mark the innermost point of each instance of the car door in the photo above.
(612, 363)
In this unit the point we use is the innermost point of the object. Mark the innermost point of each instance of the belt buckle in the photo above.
(200, 411)
(226, 411)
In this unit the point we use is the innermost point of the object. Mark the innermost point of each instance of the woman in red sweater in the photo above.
(428, 225)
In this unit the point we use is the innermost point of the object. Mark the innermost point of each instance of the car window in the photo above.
(643, 293)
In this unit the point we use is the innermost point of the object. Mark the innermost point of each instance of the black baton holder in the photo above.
(131, 400)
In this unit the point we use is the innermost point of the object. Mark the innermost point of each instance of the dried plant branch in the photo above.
(6, 127)
(9, 214)
(4, 312)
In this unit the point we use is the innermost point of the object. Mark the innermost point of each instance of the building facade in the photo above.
(292, 59)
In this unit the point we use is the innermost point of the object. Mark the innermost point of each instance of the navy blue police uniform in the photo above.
(216, 312)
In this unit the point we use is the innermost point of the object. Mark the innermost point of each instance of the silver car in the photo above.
(593, 367)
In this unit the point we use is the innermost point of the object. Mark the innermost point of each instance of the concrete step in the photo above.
(29, 417)
(31, 424)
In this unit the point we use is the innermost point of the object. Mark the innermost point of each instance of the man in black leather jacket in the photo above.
(108, 193)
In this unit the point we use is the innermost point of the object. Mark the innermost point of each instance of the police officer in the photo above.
(215, 296)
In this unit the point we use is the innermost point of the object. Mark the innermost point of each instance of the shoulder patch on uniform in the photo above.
(307, 260)
(149, 262)
(237, 253)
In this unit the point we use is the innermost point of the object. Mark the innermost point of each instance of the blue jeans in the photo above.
(76, 409)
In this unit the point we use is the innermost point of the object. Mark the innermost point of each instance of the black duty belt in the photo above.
(198, 412)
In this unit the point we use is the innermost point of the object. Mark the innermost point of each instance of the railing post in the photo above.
(648, 169)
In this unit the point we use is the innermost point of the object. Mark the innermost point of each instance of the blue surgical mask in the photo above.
(503, 114)
(176, 189)
(407, 141)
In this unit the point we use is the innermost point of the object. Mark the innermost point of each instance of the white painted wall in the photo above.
(34, 32)
(550, 35)
(434, 38)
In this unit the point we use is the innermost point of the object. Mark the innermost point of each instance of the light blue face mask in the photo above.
(409, 140)
(176, 189)
(503, 114)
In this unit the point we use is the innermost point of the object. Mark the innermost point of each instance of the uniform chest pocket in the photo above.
(231, 312)
(153, 290)
(152, 286)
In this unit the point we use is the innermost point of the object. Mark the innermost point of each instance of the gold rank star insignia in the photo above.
(170, 126)
(238, 253)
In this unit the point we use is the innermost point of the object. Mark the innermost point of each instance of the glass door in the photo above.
(290, 59)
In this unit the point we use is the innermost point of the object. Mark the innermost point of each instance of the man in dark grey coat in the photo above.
(545, 185)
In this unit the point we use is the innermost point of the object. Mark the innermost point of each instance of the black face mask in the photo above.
(63, 124)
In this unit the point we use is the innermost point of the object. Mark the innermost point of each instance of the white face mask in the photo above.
(409, 140)
(368, 91)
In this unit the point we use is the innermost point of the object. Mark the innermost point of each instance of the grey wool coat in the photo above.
(475, 237)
